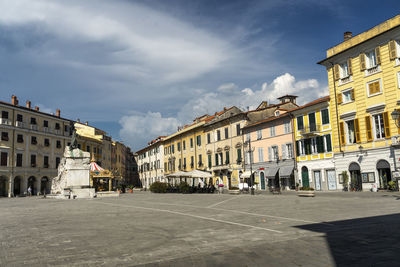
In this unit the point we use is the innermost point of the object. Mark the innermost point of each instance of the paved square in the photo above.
(202, 230)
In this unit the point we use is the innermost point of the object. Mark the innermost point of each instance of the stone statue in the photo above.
(74, 141)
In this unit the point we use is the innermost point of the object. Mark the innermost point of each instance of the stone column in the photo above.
(11, 186)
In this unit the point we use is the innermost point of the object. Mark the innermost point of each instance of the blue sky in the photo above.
(139, 69)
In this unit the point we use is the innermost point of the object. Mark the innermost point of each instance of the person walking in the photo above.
(30, 191)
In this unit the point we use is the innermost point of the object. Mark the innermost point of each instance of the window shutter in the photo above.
(378, 55)
(368, 127)
(392, 50)
(269, 154)
(349, 66)
(398, 122)
(328, 143)
(320, 144)
(342, 135)
(339, 98)
(336, 70)
(283, 151)
(357, 130)
(352, 94)
(227, 157)
(386, 124)
(297, 148)
(362, 62)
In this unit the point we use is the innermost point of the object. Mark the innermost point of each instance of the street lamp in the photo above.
(249, 150)
(395, 116)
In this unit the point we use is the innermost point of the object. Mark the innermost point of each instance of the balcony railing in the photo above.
(20, 124)
(312, 128)
(5, 121)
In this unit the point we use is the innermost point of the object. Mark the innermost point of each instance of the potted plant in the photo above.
(130, 188)
(119, 188)
(305, 191)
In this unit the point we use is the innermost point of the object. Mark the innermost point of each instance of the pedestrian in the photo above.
(30, 191)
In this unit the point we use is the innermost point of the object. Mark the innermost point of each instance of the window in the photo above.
(191, 162)
(248, 137)
(351, 134)
(19, 160)
(173, 148)
(184, 163)
(208, 138)
(19, 117)
(46, 142)
(239, 155)
(346, 96)
(313, 145)
(3, 158)
(287, 127)
(226, 157)
(275, 152)
(289, 151)
(370, 59)
(33, 140)
(191, 142)
(57, 126)
(226, 133)
(88, 148)
(180, 164)
(379, 126)
(4, 114)
(218, 135)
(200, 160)
(79, 146)
(398, 79)
(260, 154)
(311, 122)
(4, 136)
(209, 161)
(198, 140)
(272, 131)
(184, 145)
(344, 70)
(46, 124)
(328, 143)
(33, 160)
(20, 138)
(259, 134)
(66, 128)
(179, 146)
(374, 87)
(45, 161)
(325, 116)
(300, 123)
(238, 129)
(94, 150)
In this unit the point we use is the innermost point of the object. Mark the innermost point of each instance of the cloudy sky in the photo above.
(139, 69)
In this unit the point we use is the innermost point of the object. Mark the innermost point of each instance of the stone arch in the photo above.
(32, 184)
(17, 185)
(44, 185)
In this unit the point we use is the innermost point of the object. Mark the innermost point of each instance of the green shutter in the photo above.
(320, 144)
(227, 157)
(209, 161)
(328, 143)
(297, 148)
(216, 159)
(239, 154)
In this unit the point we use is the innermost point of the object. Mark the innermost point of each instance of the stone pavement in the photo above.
(341, 228)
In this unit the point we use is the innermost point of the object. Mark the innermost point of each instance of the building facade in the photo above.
(31, 147)
(150, 162)
(364, 81)
(313, 135)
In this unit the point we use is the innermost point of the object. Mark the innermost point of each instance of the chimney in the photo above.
(347, 35)
(78, 120)
(28, 104)
(87, 123)
(14, 100)
(58, 112)
(37, 108)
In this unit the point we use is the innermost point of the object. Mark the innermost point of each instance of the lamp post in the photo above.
(250, 150)
(395, 116)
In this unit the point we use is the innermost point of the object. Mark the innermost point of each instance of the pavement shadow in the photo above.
(370, 241)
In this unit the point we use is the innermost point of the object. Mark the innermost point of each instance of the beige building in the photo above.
(150, 162)
(31, 147)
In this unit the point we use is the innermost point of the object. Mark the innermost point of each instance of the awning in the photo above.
(199, 174)
(286, 171)
(271, 172)
(177, 175)
(94, 167)
(246, 174)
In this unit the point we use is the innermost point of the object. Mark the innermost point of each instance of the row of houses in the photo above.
(354, 131)
(32, 144)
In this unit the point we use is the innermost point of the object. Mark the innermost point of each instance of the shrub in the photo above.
(158, 187)
(184, 188)
(392, 185)
(306, 188)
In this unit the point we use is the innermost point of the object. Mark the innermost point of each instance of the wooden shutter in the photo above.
(374, 88)
(328, 143)
(392, 50)
(283, 151)
(297, 148)
(362, 62)
(342, 135)
(339, 98)
(386, 124)
(352, 94)
(368, 128)
(357, 130)
(378, 55)
(349, 66)
(336, 70)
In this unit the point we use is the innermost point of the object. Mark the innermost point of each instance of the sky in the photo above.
(140, 69)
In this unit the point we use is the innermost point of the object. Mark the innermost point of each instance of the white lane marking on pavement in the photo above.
(194, 216)
(216, 204)
(238, 211)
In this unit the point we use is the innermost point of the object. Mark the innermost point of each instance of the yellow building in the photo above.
(185, 149)
(31, 147)
(313, 135)
(364, 81)
(90, 139)
(118, 162)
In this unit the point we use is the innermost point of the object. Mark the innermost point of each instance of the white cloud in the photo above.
(146, 44)
(138, 129)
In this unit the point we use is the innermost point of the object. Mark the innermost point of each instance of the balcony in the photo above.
(396, 141)
(20, 124)
(372, 70)
(311, 129)
(5, 121)
(58, 132)
(34, 127)
(47, 130)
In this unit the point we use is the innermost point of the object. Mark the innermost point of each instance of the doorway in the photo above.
(17, 186)
(3, 186)
(44, 185)
(384, 174)
(317, 179)
(262, 180)
(305, 181)
(331, 177)
(355, 177)
(31, 184)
